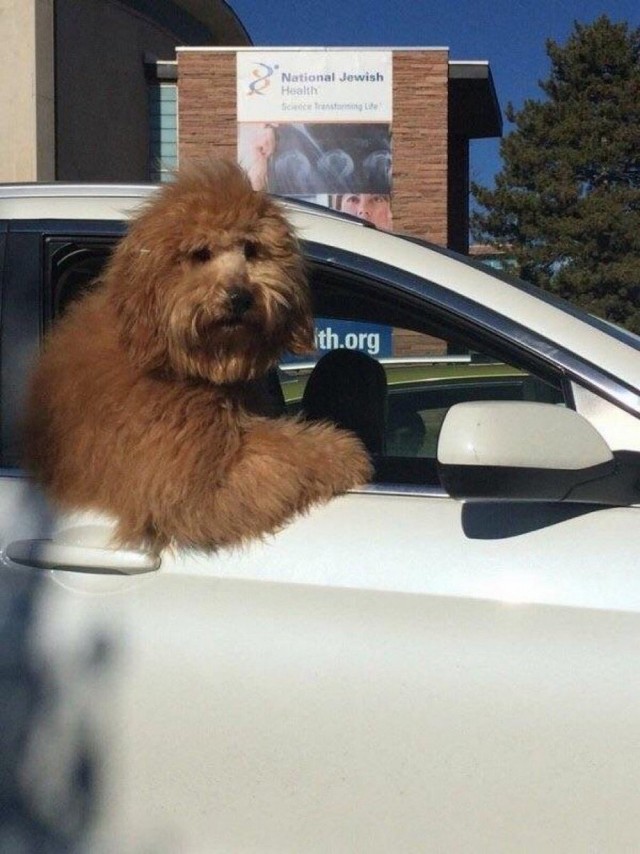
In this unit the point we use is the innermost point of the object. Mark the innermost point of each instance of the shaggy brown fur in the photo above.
(146, 403)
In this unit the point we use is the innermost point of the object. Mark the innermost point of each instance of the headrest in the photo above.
(350, 389)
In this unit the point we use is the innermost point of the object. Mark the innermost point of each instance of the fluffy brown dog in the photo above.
(147, 403)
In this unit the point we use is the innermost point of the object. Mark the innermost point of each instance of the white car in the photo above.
(446, 660)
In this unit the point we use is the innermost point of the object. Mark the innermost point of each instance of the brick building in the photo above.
(122, 90)
(438, 106)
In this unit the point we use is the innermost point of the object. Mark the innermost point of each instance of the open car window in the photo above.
(430, 364)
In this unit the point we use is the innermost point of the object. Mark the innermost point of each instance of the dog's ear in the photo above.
(132, 289)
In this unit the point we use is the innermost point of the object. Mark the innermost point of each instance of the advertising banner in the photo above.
(316, 124)
(373, 339)
(314, 85)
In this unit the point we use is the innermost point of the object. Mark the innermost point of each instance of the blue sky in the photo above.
(510, 34)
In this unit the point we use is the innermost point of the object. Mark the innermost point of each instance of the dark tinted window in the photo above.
(72, 268)
(42, 273)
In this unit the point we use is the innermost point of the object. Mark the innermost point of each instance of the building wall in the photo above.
(27, 131)
(101, 89)
(73, 88)
(207, 125)
(458, 194)
(420, 133)
(206, 105)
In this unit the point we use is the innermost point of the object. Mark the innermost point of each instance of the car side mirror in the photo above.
(522, 451)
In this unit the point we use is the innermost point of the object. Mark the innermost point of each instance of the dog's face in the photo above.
(209, 281)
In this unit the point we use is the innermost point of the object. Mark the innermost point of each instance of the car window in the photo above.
(3, 239)
(43, 275)
(426, 372)
(427, 368)
(425, 377)
(72, 268)
(429, 376)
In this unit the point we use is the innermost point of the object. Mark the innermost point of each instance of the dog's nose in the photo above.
(240, 301)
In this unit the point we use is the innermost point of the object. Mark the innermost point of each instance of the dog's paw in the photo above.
(337, 461)
(352, 463)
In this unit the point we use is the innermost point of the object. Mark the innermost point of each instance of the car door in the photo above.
(395, 670)
(404, 532)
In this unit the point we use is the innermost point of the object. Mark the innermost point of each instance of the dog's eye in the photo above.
(250, 250)
(201, 255)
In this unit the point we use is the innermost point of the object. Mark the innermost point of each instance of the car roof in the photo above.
(71, 201)
(530, 307)
(108, 201)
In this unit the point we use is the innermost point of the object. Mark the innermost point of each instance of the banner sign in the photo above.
(314, 86)
(317, 124)
(374, 339)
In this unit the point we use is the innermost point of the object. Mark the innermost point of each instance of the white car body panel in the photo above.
(615, 425)
(394, 671)
(320, 719)
(357, 552)
(518, 438)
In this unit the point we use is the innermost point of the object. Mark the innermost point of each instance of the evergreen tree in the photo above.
(566, 203)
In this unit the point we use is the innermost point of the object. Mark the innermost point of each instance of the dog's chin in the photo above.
(228, 351)
(231, 371)
(227, 335)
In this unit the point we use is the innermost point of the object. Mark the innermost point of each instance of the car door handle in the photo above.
(49, 554)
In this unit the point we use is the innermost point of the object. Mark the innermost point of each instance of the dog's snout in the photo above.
(240, 301)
